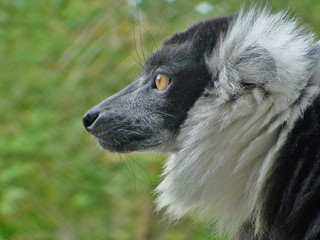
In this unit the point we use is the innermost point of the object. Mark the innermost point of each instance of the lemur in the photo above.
(235, 103)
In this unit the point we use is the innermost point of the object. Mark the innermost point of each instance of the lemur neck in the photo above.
(221, 153)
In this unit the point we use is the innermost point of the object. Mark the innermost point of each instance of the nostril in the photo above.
(89, 118)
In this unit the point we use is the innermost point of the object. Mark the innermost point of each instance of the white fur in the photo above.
(229, 139)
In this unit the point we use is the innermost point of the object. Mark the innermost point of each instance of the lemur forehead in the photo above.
(169, 56)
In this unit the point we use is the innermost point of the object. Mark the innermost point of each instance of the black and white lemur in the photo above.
(235, 101)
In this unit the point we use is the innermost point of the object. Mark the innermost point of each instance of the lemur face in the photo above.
(148, 113)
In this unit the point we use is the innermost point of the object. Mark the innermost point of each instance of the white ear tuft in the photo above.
(265, 50)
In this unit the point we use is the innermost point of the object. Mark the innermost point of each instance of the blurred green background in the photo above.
(58, 59)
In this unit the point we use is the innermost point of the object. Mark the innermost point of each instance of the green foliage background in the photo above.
(58, 59)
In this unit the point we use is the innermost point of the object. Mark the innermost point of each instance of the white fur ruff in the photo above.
(229, 139)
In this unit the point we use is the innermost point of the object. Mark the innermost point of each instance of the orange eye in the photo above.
(162, 82)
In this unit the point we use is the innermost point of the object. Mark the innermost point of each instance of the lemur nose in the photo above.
(89, 118)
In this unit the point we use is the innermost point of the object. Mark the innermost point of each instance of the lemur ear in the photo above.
(255, 65)
(251, 67)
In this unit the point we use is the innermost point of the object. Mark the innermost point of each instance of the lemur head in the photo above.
(147, 114)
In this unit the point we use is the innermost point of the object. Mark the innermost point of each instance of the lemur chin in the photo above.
(235, 102)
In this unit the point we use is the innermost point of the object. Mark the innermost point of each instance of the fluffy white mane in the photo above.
(232, 133)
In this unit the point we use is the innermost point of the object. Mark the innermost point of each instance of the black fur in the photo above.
(291, 194)
(292, 191)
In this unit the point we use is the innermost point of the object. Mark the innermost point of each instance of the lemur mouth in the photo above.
(129, 143)
(121, 148)
(125, 145)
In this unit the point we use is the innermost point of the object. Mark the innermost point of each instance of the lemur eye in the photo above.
(162, 82)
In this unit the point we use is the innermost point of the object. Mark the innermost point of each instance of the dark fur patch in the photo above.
(292, 190)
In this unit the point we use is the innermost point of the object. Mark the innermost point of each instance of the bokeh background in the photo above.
(57, 59)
